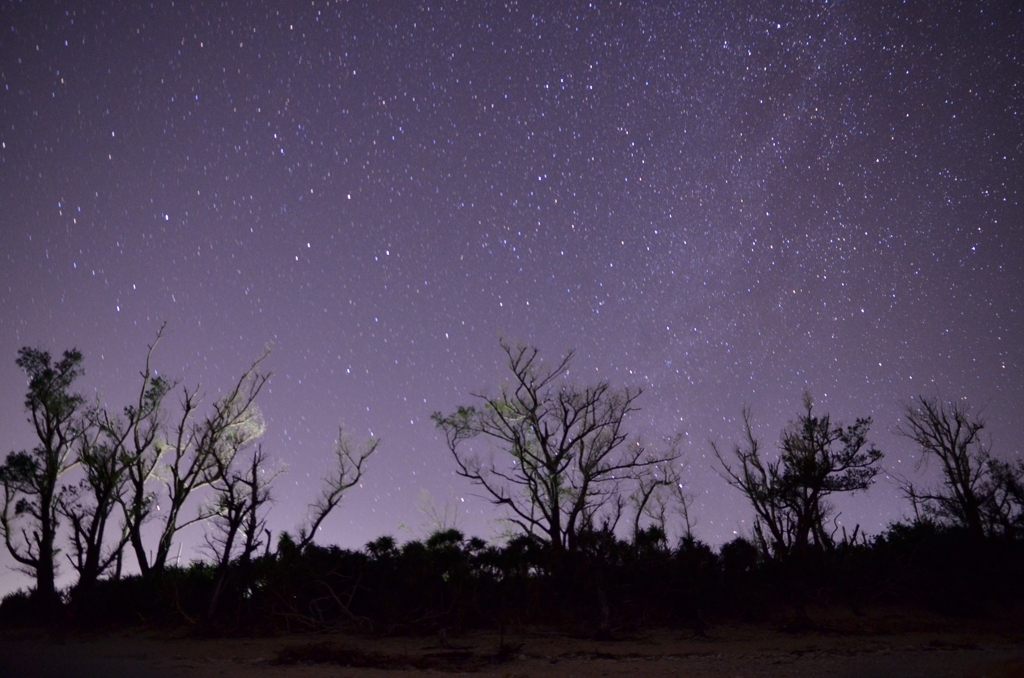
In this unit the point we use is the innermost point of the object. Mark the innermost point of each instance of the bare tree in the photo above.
(31, 480)
(568, 458)
(949, 434)
(658, 495)
(138, 438)
(978, 492)
(345, 474)
(237, 515)
(1005, 507)
(121, 457)
(89, 505)
(198, 451)
(256, 489)
(760, 480)
(789, 495)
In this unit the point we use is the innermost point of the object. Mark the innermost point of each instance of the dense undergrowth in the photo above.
(608, 586)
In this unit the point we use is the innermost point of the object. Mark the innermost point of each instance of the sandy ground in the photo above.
(731, 651)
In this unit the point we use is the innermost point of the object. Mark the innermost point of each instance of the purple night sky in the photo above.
(722, 206)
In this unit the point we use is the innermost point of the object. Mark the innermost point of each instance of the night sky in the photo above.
(722, 206)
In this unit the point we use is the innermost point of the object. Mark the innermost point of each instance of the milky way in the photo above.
(722, 206)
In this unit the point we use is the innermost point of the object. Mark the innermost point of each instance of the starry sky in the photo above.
(723, 205)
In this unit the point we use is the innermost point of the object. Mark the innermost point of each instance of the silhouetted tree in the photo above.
(256, 490)
(1005, 508)
(568, 456)
(137, 435)
(789, 494)
(660, 491)
(978, 492)
(89, 505)
(343, 476)
(185, 456)
(237, 515)
(198, 451)
(31, 479)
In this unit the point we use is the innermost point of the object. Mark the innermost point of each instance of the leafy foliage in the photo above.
(31, 479)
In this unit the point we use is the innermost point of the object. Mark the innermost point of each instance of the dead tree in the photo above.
(138, 434)
(90, 504)
(198, 450)
(978, 492)
(660, 493)
(237, 515)
(563, 452)
(343, 476)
